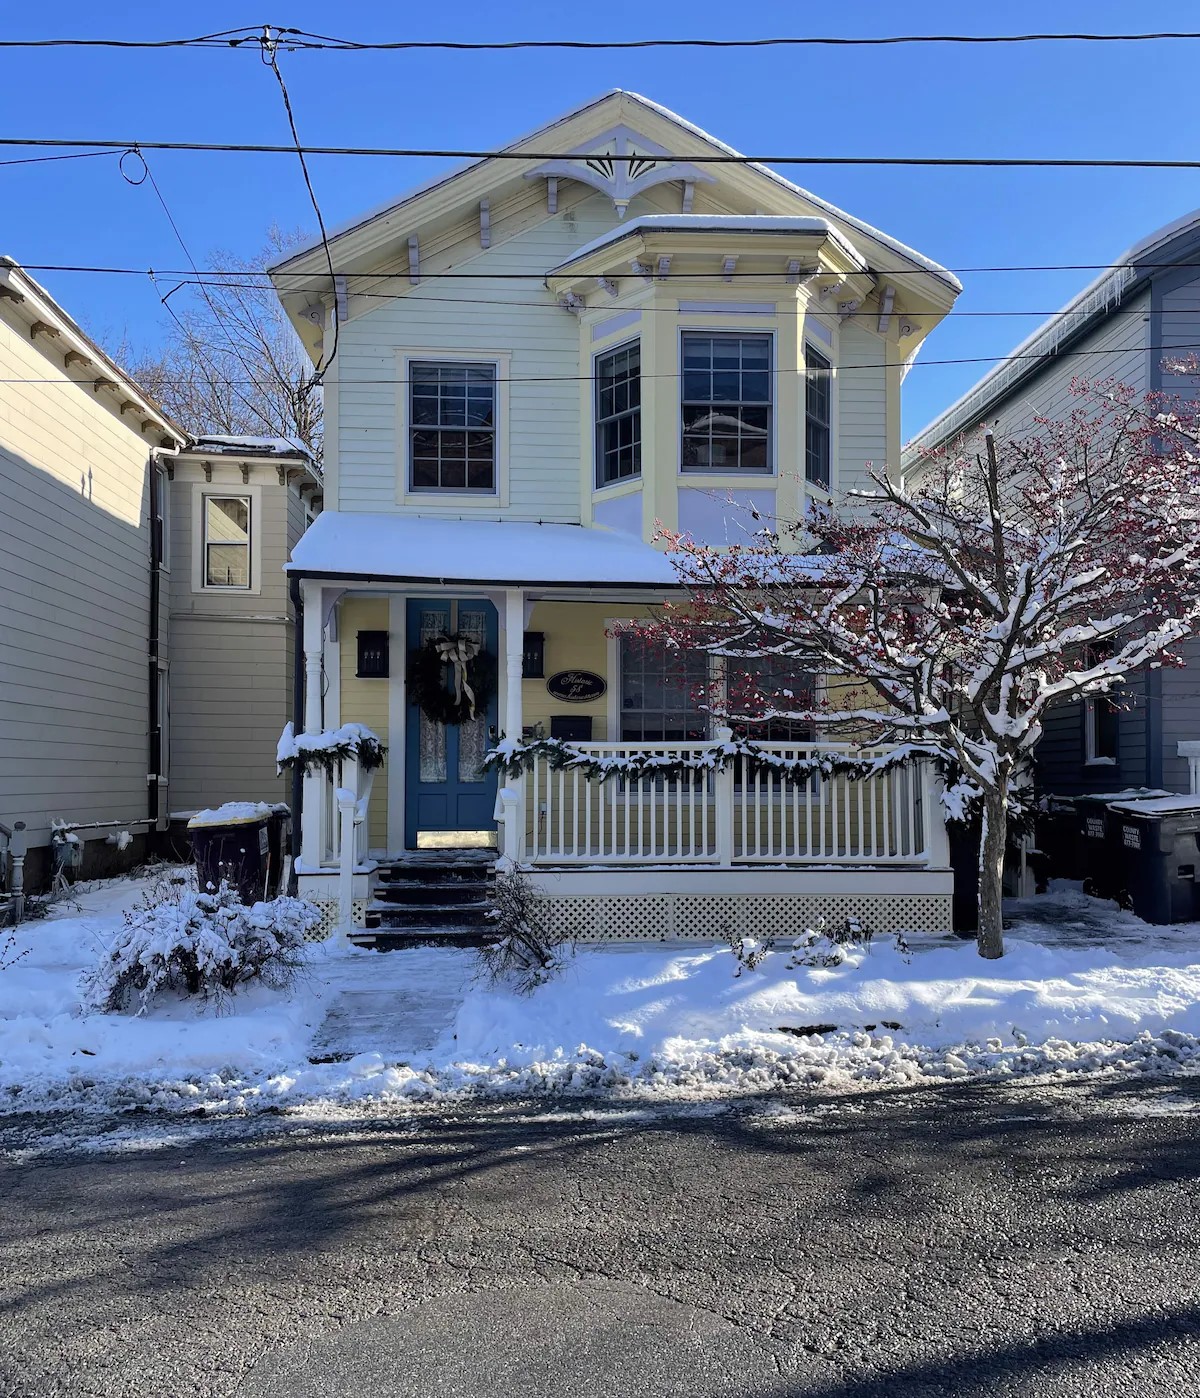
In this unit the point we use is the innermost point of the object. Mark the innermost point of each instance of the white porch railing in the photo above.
(741, 814)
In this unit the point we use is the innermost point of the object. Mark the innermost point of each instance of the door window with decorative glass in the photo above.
(619, 414)
(452, 436)
(726, 402)
(227, 541)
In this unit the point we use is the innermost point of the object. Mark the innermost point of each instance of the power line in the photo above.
(452, 274)
(247, 35)
(776, 371)
(407, 152)
(271, 60)
(410, 295)
(46, 159)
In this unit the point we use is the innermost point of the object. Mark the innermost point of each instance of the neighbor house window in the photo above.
(1101, 718)
(161, 519)
(726, 402)
(227, 541)
(452, 433)
(659, 693)
(619, 414)
(818, 417)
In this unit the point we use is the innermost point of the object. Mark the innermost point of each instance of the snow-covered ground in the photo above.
(1082, 988)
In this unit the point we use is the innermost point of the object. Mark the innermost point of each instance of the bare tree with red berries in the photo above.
(957, 606)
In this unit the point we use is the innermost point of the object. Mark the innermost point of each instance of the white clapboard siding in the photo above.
(544, 432)
(74, 597)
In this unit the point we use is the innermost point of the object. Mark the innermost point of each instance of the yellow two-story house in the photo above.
(533, 366)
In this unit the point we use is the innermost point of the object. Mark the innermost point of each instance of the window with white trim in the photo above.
(452, 426)
(161, 520)
(660, 693)
(818, 418)
(619, 414)
(1101, 718)
(226, 543)
(726, 402)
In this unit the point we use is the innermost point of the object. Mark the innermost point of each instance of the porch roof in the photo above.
(414, 548)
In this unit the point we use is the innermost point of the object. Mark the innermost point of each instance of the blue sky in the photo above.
(1065, 100)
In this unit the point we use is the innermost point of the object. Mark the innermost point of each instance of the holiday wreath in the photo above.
(473, 681)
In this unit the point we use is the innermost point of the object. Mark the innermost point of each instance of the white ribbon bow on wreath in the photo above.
(459, 651)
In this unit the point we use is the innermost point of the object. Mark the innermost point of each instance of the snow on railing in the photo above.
(694, 803)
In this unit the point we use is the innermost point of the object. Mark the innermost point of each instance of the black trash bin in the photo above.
(1159, 843)
(1099, 850)
(233, 843)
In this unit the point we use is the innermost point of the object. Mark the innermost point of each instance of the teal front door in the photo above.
(445, 785)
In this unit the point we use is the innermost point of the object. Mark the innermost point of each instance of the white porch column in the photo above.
(312, 820)
(514, 649)
(314, 654)
(937, 837)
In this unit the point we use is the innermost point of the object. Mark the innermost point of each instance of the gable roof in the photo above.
(1102, 295)
(619, 99)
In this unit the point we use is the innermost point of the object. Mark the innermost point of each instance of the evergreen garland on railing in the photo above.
(324, 752)
(715, 757)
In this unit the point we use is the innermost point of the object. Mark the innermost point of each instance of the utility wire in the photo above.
(248, 35)
(46, 159)
(454, 275)
(271, 60)
(165, 300)
(730, 158)
(841, 370)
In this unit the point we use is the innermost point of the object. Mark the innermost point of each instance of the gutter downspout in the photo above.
(154, 718)
(297, 717)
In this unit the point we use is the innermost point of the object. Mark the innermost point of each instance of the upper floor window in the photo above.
(227, 541)
(1101, 718)
(619, 414)
(726, 401)
(452, 426)
(818, 418)
(160, 519)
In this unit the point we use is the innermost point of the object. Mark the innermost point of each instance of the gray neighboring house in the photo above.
(145, 625)
(1124, 325)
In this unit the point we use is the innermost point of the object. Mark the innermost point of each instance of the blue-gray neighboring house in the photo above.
(1140, 312)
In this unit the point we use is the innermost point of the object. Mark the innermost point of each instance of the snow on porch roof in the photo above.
(399, 548)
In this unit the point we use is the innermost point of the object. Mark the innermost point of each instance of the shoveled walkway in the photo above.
(397, 1004)
(1068, 917)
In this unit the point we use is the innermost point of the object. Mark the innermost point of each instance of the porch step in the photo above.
(399, 938)
(460, 869)
(411, 893)
(437, 915)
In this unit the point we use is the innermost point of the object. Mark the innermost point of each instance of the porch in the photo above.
(665, 836)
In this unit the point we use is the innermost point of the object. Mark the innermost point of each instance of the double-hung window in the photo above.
(767, 683)
(726, 402)
(660, 693)
(227, 541)
(452, 432)
(619, 414)
(818, 418)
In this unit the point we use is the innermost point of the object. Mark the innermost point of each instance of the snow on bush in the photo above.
(178, 940)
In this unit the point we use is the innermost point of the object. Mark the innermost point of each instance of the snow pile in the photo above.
(181, 941)
(232, 813)
(653, 1023)
(50, 1044)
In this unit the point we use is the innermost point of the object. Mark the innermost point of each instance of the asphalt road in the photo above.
(950, 1242)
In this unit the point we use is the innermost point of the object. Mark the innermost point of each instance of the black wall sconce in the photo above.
(533, 656)
(373, 655)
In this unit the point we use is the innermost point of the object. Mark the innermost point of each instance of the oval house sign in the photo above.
(576, 686)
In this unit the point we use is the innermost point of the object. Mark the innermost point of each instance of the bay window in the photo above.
(726, 402)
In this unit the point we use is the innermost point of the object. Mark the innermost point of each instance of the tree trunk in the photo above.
(992, 842)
